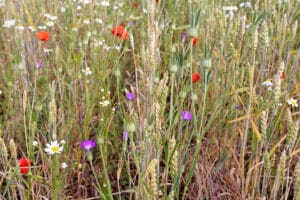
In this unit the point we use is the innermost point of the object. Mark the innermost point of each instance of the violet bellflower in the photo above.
(186, 115)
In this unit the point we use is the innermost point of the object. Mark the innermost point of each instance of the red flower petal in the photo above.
(195, 40)
(120, 32)
(135, 4)
(283, 76)
(24, 164)
(124, 36)
(195, 77)
(42, 35)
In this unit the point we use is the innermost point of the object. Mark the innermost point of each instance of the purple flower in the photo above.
(125, 135)
(87, 145)
(186, 115)
(184, 35)
(39, 65)
(131, 23)
(130, 96)
(239, 107)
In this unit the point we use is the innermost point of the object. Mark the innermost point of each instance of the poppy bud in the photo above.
(207, 63)
(173, 68)
(193, 32)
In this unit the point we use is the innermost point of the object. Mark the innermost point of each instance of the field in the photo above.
(149, 99)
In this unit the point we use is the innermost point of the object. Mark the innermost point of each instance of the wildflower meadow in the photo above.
(149, 99)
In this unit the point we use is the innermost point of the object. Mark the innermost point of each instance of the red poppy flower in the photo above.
(195, 77)
(156, 1)
(195, 40)
(283, 76)
(135, 4)
(42, 35)
(120, 32)
(24, 164)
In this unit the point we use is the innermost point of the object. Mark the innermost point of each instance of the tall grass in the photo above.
(238, 140)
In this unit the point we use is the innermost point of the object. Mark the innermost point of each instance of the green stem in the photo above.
(54, 170)
(171, 102)
(97, 182)
(107, 182)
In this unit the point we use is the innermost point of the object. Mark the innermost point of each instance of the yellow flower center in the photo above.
(54, 149)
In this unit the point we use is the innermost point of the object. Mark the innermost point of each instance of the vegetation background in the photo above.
(184, 99)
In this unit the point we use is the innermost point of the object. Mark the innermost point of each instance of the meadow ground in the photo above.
(149, 99)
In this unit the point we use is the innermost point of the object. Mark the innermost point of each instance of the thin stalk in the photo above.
(245, 136)
(97, 182)
(171, 102)
(105, 174)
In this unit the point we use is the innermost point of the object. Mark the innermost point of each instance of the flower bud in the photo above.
(90, 156)
(117, 73)
(193, 32)
(207, 63)
(194, 97)
(130, 127)
(183, 94)
(173, 68)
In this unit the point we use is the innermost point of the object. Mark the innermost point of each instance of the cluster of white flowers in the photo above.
(105, 100)
(87, 71)
(104, 103)
(51, 19)
(9, 23)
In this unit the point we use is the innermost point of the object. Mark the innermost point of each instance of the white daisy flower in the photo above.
(292, 102)
(53, 148)
(268, 84)
(20, 28)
